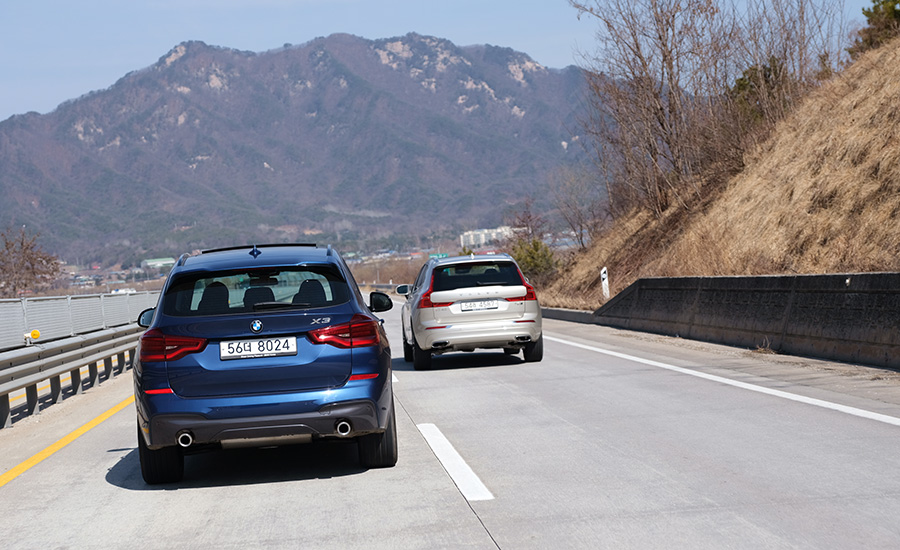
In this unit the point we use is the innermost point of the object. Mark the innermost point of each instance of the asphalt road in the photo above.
(614, 440)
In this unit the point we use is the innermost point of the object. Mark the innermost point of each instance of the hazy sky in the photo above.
(55, 50)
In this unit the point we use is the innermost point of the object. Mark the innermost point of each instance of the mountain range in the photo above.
(340, 139)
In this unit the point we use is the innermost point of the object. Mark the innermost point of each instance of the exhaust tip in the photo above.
(521, 339)
(343, 428)
(185, 439)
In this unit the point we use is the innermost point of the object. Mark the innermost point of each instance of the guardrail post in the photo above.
(107, 368)
(55, 390)
(31, 398)
(120, 363)
(75, 377)
(93, 374)
(5, 416)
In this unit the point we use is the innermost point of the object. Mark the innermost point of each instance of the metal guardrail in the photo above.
(75, 332)
(59, 317)
(25, 368)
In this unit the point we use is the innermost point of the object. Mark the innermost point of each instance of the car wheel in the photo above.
(421, 358)
(534, 351)
(379, 450)
(407, 350)
(164, 465)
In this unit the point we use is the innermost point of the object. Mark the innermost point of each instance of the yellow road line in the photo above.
(46, 453)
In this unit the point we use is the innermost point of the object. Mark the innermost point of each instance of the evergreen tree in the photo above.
(883, 20)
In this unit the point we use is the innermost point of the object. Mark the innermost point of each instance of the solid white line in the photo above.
(743, 385)
(465, 478)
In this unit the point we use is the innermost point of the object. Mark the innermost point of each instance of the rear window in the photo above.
(245, 291)
(491, 273)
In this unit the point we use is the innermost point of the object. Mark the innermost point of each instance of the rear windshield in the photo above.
(488, 273)
(245, 291)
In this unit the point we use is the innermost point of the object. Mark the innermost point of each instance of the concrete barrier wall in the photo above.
(850, 317)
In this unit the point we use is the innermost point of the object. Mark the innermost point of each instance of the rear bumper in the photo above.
(363, 417)
(469, 336)
(365, 404)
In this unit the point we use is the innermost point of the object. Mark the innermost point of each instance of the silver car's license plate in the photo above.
(479, 305)
(264, 347)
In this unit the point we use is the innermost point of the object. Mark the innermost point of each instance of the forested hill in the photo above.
(355, 138)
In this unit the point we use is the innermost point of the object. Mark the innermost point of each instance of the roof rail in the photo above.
(242, 247)
(181, 259)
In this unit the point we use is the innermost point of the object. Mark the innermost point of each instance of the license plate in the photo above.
(479, 305)
(264, 347)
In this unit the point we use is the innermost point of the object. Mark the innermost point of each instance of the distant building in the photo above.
(158, 263)
(480, 238)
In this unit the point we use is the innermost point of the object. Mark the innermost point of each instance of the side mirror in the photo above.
(379, 301)
(403, 290)
(146, 317)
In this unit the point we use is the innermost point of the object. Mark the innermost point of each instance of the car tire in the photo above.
(407, 350)
(379, 450)
(534, 351)
(421, 358)
(164, 465)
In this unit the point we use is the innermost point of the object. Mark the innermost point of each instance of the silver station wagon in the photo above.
(470, 302)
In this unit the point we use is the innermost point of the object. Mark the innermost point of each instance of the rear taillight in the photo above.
(425, 300)
(156, 346)
(529, 294)
(360, 331)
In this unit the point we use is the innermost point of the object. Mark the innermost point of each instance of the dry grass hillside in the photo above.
(821, 196)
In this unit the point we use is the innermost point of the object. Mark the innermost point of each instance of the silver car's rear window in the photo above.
(222, 293)
(488, 273)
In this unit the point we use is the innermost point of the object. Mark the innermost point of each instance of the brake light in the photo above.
(156, 346)
(360, 331)
(425, 300)
(529, 294)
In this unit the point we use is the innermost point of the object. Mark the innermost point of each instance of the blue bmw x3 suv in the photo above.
(259, 346)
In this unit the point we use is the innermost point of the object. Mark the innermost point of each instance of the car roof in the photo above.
(256, 256)
(472, 258)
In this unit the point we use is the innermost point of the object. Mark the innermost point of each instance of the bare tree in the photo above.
(658, 65)
(580, 202)
(527, 224)
(664, 117)
(23, 265)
